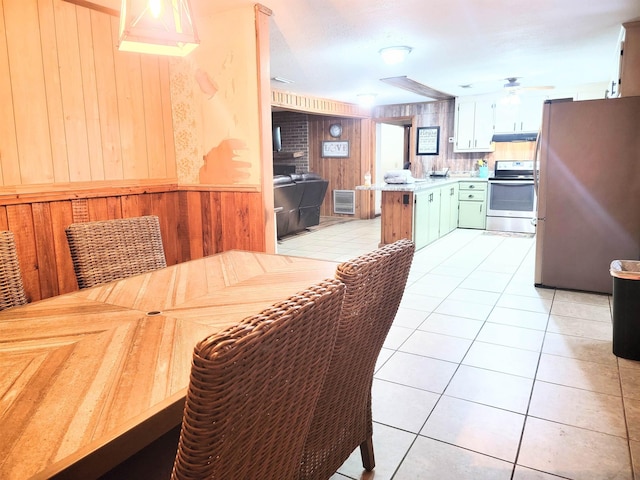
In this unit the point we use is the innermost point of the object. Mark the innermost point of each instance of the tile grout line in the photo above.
(490, 261)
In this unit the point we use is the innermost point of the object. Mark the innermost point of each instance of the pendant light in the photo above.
(160, 27)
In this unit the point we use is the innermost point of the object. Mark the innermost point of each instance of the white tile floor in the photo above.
(483, 376)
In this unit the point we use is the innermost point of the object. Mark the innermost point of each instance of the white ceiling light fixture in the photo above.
(160, 27)
(511, 98)
(366, 99)
(395, 55)
(512, 87)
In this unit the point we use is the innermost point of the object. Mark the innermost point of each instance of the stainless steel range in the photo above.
(512, 197)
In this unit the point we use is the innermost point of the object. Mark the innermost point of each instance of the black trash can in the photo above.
(626, 308)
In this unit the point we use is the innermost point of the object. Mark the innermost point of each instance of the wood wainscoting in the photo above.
(195, 222)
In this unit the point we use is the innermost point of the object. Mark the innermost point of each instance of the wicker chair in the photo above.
(11, 288)
(342, 420)
(251, 395)
(110, 250)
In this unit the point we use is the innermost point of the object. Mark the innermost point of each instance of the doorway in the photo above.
(392, 151)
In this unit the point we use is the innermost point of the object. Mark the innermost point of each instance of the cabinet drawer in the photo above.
(472, 195)
(469, 185)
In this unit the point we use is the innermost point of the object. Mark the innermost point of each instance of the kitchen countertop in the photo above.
(420, 184)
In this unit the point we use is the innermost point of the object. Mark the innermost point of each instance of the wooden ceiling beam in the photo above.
(416, 87)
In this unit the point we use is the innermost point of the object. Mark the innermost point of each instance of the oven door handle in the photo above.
(511, 182)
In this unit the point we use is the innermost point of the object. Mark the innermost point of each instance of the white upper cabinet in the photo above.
(525, 116)
(473, 124)
(630, 61)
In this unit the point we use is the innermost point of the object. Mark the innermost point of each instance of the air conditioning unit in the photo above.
(344, 201)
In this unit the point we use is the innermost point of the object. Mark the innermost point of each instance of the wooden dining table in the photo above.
(90, 377)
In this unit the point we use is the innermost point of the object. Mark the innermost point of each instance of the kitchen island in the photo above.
(429, 208)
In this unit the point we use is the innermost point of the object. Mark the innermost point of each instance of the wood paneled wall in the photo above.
(73, 108)
(87, 134)
(342, 173)
(428, 114)
(194, 223)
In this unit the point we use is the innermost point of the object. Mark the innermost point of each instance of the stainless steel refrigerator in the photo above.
(588, 191)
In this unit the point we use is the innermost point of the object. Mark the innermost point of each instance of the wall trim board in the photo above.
(72, 191)
(220, 188)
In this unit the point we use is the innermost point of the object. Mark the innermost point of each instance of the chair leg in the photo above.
(366, 452)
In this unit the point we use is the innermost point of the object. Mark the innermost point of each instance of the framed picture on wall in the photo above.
(335, 149)
(428, 141)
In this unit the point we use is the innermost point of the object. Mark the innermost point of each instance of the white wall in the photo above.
(391, 147)
(389, 154)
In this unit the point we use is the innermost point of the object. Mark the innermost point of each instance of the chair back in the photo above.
(11, 287)
(342, 419)
(110, 250)
(253, 389)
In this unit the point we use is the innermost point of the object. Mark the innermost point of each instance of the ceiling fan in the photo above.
(513, 86)
(513, 89)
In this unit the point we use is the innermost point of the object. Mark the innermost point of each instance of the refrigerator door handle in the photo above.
(536, 154)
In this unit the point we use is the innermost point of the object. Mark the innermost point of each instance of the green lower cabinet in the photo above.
(440, 210)
(433, 199)
(455, 212)
(435, 213)
(448, 209)
(426, 217)
(472, 209)
(420, 220)
(472, 215)
(445, 211)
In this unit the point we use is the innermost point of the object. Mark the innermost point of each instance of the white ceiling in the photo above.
(329, 48)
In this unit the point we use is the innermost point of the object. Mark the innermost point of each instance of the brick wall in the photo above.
(294, 130)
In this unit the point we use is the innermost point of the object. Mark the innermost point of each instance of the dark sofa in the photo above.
(297, 199)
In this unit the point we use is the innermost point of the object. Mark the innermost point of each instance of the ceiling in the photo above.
(329, 48)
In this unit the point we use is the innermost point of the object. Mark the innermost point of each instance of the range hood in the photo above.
(515, 137)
